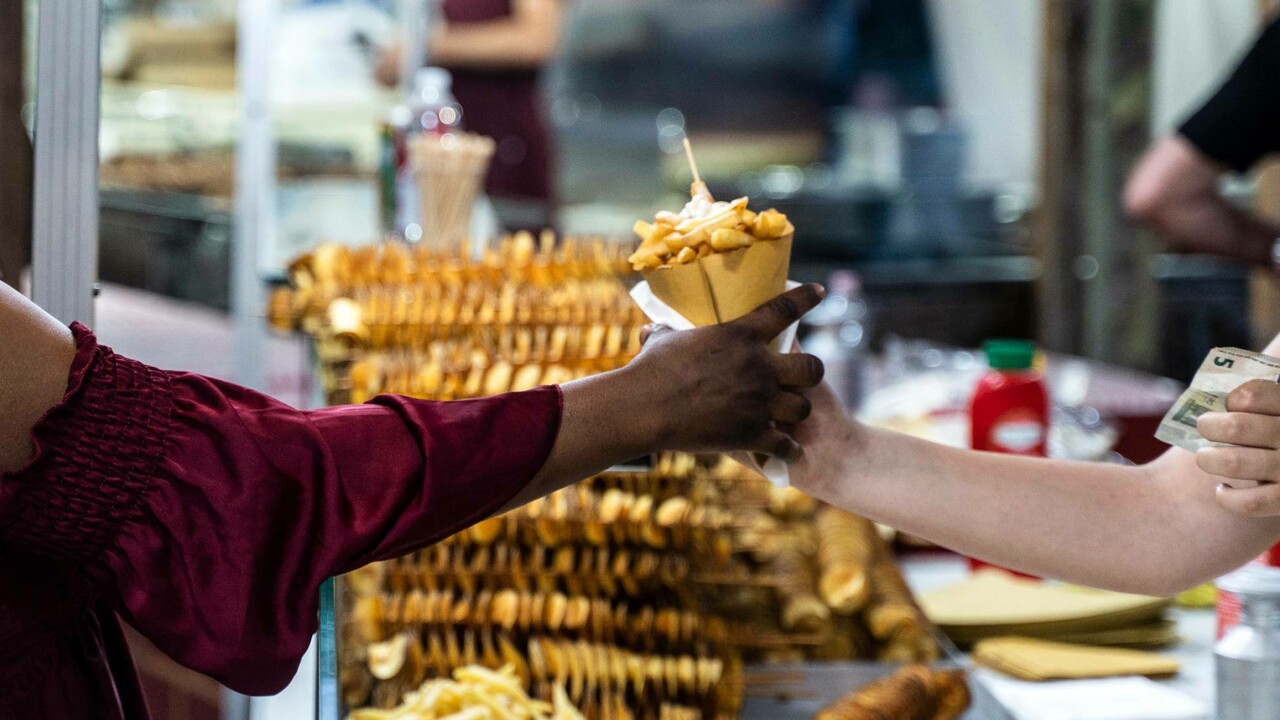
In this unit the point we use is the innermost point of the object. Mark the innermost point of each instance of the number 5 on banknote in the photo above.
(1222, 371)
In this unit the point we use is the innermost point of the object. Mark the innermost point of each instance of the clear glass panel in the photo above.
(327, 689)
(327, 109)
(168, 130)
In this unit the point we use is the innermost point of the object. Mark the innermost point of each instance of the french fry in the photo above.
(675, 241)
(728, 239)
(678, 239)
(770, 224)
(646, 261)
(476, 693)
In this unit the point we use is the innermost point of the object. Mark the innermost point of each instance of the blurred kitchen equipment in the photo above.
(1248, 655)
(837, 221)
(837, 333)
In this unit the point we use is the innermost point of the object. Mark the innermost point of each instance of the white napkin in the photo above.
(1123, 698)
(660, 312)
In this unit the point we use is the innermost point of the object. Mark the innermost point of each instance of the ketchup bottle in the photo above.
(1009, 412)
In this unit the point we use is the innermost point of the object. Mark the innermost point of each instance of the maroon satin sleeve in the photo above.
(212, 513)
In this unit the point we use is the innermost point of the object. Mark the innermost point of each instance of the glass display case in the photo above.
(650, 590)
(172, 127)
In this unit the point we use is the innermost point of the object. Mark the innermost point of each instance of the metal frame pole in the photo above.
(65, 191)
(255, 185)
(253, 224)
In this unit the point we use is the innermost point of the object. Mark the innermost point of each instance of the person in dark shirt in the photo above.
(1174, 188)
(881, 51)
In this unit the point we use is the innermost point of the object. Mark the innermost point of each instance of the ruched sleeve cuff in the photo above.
(95, 456)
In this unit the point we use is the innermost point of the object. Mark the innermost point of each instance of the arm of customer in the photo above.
(1174, 189)
(1156, 529)
(1175, 185)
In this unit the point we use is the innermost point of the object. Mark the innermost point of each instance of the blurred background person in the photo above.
(1175, 187)
(882, 54)
(496, 51)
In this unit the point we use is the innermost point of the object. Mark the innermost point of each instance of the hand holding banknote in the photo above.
(1230, 417)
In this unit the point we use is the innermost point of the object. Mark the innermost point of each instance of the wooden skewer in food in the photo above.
(892, 615)
(845, 553)
(802, 610)
(912, 693)
(698, 187)
(848, 639)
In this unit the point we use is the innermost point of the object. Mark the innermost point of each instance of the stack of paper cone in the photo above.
(992, 603)
(1032, 659)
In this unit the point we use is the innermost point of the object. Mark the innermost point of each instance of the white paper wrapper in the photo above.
(659, 312)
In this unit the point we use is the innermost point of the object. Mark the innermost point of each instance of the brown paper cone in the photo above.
(725, 286)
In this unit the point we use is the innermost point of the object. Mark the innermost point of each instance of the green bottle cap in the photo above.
(1010, 354)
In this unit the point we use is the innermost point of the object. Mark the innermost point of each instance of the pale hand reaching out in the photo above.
(1250, 468)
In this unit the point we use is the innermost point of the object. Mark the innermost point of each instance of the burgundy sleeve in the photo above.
(212, 513)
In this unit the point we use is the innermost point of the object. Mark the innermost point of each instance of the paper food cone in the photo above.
(725, 286)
